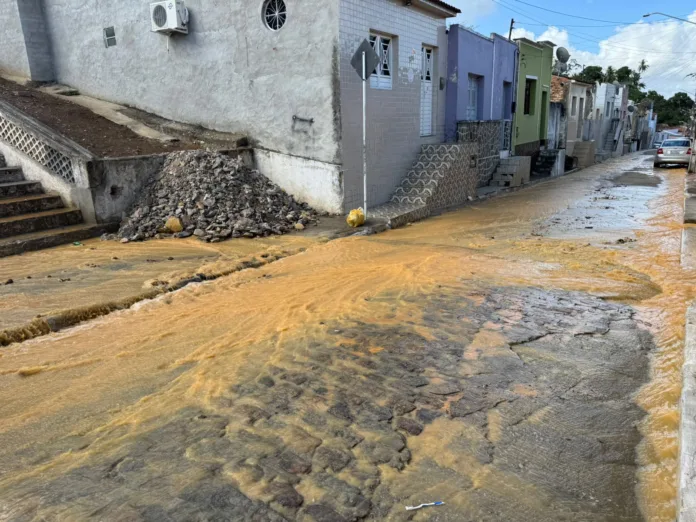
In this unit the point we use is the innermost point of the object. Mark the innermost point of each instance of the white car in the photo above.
(673, 151)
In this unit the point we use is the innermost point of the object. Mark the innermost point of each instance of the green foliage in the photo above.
(623, 75)
(673, 111)
(590, 74)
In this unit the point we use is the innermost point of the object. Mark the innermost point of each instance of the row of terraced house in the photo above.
(451, 114)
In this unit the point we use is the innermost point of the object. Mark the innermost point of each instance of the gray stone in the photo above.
(409, 426)
(334, 459)
(322, 513)
(342, 411)
(266, 381)
(285, 495)
(214, 203)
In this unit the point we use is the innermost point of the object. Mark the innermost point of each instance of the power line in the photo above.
(575, 16)
(588, 38)
(616, 25)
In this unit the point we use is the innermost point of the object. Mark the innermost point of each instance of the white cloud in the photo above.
(472, 11)
(669, 62)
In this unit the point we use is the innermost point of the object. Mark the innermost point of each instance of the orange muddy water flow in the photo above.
(74, 399)
(96, 272)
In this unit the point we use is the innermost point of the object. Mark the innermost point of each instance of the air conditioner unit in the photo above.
(169, 17)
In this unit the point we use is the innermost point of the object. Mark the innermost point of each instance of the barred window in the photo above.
(382, 75)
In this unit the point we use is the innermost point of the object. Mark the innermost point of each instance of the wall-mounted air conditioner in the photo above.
(169, 17)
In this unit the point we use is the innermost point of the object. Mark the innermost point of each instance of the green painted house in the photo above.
(533, 95)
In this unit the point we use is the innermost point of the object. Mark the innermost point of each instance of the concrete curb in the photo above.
(61, 320)
(690, 199)
(503, 191)
(687, 431)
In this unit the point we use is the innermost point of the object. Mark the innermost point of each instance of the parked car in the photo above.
(675, 151)
(657, 145)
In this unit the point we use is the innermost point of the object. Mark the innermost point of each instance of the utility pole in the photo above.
(512, 25)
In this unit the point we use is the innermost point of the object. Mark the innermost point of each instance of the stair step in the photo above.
(428, 157)
(50, 238)
(29, 204)
(441, 148)
(409, 183)
(431, 165)
(420, 192)
(11, 174)
(20, 188)
(410, 200)
(28, 223)
(428, 175)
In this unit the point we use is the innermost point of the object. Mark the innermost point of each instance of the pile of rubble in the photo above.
(213, 197)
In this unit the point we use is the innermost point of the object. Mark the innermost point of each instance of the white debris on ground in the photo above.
(213, 197)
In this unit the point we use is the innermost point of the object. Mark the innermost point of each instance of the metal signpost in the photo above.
(364, 61)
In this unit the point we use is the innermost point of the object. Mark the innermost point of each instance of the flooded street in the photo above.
(518, 360)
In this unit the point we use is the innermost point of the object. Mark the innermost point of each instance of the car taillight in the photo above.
(660, 151)
(689, 152)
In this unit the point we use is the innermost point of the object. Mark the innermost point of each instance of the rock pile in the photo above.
(213, 197)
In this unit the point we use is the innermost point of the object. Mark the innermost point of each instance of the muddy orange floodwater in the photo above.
(103, 397)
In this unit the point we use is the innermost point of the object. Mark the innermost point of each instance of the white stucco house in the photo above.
(276, 70)
(611, 108)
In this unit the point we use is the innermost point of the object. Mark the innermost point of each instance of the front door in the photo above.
(426, 114)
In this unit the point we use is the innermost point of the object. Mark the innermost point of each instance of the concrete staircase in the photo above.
(609, 144)
(442, 176)
(585, 152)
(30, 219)
(512, 172)
(545, 163)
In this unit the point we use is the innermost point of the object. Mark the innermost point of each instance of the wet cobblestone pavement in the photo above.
(491, 359)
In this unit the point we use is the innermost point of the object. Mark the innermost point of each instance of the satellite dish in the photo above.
(562, 67)
(563, 55)
(631, 108)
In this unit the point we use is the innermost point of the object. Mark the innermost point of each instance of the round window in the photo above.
(274, 14)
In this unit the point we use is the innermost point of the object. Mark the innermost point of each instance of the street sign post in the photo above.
(364, 61)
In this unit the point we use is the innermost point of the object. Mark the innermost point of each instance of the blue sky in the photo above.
(668, 46)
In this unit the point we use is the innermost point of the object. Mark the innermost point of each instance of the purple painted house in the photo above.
(481, 73)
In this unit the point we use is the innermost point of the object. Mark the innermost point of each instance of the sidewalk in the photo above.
(687, 452)
(687, 432)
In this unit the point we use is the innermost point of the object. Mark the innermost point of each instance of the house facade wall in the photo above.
(493, 61)
(535, 62)
(13, 58)
(579, 105)
(36, 40)
(230, 73)
(606, 101)
(393, 121)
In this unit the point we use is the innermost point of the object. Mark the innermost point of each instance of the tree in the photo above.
(610, 75)
(623, 75)
(672, 111)
(681, 101)
(590, 74)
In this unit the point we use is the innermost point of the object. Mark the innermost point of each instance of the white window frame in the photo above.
(382, 76)
(472, 103)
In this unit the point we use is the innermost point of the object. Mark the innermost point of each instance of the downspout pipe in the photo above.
(495, 47)
(515, 84)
